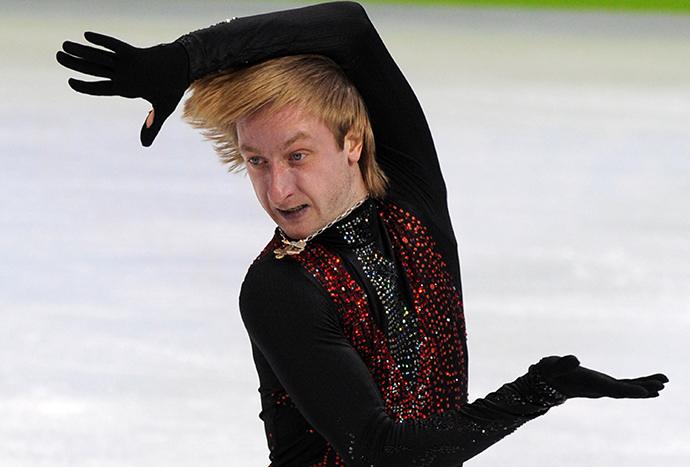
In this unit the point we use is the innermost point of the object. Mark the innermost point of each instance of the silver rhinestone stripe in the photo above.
(402, 331)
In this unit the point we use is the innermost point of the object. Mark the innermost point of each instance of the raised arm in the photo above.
(339, 30)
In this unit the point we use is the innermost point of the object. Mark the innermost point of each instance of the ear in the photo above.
(353, 147)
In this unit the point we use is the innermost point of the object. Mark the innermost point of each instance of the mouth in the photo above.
(288, 213)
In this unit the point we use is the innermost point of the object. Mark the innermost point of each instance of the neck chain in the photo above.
(296, 247)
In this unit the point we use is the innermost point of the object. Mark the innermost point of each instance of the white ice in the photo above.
(565, 140)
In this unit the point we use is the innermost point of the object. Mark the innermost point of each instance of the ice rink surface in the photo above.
(565, 140)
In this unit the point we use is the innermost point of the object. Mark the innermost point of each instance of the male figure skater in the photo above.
(354, 308)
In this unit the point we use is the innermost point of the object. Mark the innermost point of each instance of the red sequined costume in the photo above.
(359, 341)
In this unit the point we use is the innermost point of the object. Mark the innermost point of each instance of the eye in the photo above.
(253, 161)
(298, 156)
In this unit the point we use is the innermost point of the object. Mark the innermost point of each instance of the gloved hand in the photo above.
(570, 379)
(159, 74)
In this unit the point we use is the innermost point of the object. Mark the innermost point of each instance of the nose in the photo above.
(281, 184)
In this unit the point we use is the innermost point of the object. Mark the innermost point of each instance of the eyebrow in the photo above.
(298, 136)
(244, 149)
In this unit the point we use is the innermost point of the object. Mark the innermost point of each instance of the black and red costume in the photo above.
(359, 341)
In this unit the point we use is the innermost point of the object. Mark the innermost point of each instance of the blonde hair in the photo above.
(314, 83)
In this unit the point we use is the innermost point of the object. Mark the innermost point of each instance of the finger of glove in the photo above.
(584, 382)
(628, 390)
(148, 134)
(607, 386)
(83, 66)
(94, 88)
(91, 54)
(116, 45)
(658, 377)
(654, 383)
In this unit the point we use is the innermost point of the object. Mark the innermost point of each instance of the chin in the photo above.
(295, 234)
(299, 229)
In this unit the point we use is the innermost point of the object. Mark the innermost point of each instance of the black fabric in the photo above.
(158, 74)
(299, 346)
(572, 380)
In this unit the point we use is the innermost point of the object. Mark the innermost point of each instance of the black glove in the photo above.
(570, 379)
(159, 74)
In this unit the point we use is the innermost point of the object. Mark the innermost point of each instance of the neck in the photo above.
(293, 247)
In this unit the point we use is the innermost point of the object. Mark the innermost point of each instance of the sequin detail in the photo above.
(439, 379)
(401, 322)
(442, 373)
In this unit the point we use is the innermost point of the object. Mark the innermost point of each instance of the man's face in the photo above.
(301, 177)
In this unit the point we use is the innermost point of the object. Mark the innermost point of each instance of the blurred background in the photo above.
(564, 136)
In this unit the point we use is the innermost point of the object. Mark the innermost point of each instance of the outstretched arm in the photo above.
(302, 340)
